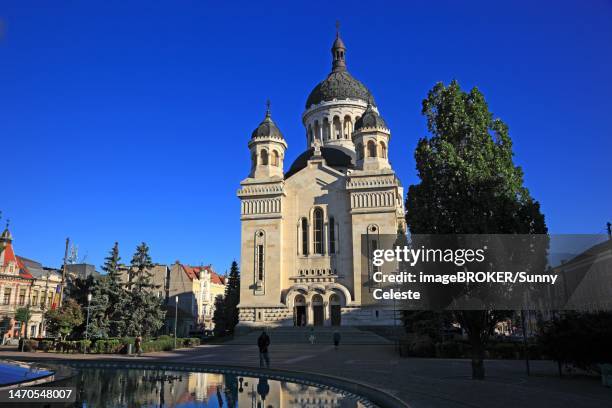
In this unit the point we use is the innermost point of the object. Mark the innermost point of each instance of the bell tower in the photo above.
(371, 139)
(267, 146)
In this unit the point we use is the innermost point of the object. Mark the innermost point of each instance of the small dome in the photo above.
(267, 128)
(338, 43)
(370, 119)
(338, 85)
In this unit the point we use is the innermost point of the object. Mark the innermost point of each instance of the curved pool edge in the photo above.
(57, 374)
(379, 397)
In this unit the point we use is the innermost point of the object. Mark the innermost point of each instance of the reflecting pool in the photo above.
(13, 372)
(117, 387)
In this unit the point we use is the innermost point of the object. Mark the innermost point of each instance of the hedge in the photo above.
(110, 345)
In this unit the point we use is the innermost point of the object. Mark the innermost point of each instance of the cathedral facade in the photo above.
(302, 224)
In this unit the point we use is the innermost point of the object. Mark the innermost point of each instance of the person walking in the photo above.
(138, 345)
(263, 342)
(336, 339)
(312, 338)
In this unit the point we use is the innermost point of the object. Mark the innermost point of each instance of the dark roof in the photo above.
(370, 119)
(333, 157)
(338, 85)
(267, 128)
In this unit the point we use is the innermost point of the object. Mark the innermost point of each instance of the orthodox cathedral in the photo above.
(302, 226)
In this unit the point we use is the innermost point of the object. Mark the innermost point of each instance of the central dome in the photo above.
(338, 85)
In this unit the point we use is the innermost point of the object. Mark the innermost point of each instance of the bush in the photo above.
(82, 345)
(45, 345)
(504, 350)
(165, 344)
(580, 339)
(416, 345)
(66, 346)
(190, 342)
(27, 345)
(449, 349)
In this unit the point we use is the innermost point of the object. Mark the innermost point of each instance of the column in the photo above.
(309, 314)
(326, 313)
(325, 242)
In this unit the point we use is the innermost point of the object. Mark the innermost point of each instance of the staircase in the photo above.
(323, 335)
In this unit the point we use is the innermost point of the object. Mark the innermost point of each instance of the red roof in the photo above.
(194, 272)
(9, 256)
(191, 272)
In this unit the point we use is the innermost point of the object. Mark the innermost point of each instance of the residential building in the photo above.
(24, 283)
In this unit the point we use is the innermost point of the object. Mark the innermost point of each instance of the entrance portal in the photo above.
(299, 311)
(317, 310)
(335, 310)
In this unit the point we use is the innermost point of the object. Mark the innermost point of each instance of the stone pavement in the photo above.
(418, 382)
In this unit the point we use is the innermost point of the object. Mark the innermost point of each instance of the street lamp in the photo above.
(87, 324)
(175, 318)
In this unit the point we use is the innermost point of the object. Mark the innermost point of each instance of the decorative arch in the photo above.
(304, 235)
(337, 133)
(383, 150)
(294, 291)
(326, 132)
(264, 157)
(275, 158)
(318, 230)
(259, 260)
(348, 127)
(371, 148)
(336, 288)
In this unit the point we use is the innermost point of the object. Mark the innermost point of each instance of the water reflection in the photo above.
(159, 388)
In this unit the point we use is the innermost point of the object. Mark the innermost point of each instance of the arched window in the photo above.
(275, 158)
(325, 129)
(348, 127)
(371, 149)
(332, 235)
(264, 157)
(318, 231)
(304, 236)
(260, 262)
(317, 130)
(383, 150)
(337, 128)
(359, 149)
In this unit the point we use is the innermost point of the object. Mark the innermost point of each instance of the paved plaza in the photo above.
(417, 382)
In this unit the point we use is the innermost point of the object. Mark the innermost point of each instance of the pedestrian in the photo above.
(138, 345)
(336, 339)
(263, 342)
(312, 336)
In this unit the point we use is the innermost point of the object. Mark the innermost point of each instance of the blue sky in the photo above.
(129, 121)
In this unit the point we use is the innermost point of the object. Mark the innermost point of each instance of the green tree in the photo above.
(24, 315)
(109, 299)
(144, 314)
(469, 185)
(62, 321)
(220, 316)
(232, 297)
(579, 338)
(77, 288)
